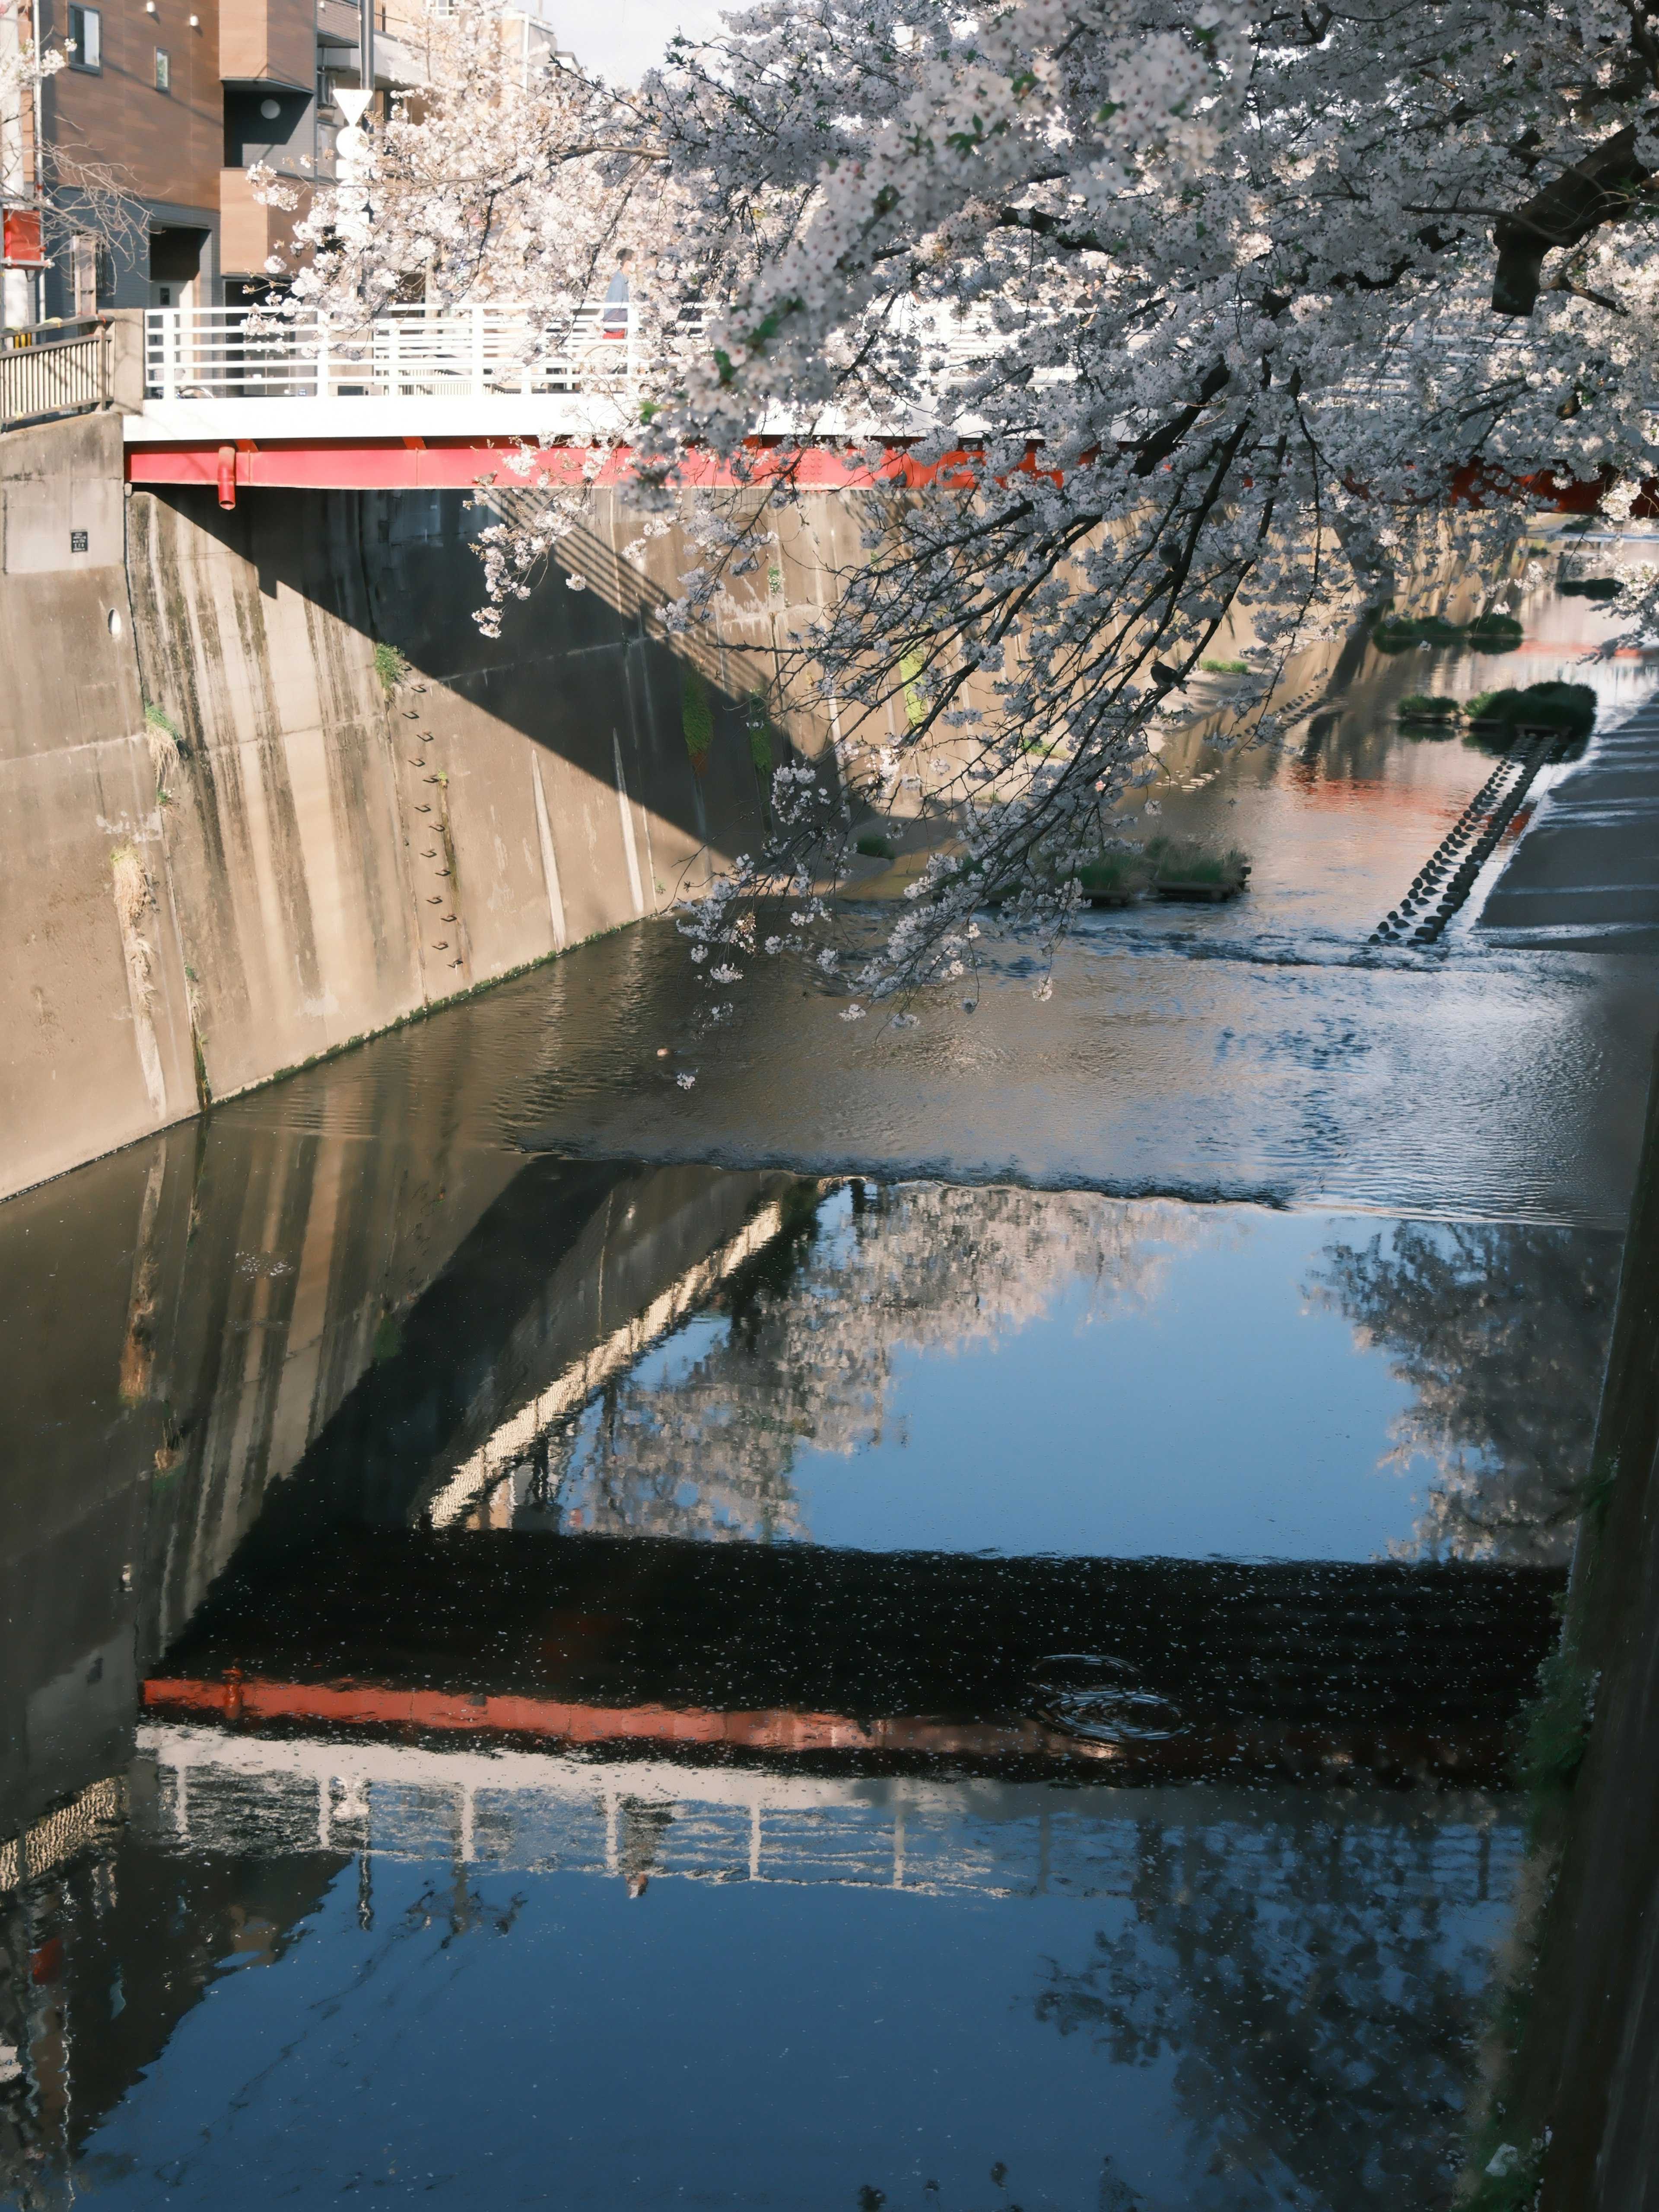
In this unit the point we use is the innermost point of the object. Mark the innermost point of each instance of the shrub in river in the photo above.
(1494, 633)
(874, 847)
(1113, 876)
(1400, 633)
(1422, 707)
(1174, 860)
(1396, 633)
(1487, 633)
(1590, 588)
(1226, 667)
(1568, 707)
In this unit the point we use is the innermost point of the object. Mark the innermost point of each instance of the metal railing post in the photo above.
(170, 352)
(322, 355)
(394, 369)
(477, 353)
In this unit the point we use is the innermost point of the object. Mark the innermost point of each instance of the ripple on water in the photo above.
(1495, 1084)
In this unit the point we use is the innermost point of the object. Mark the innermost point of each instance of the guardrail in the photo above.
(402, 353)
(49, 369)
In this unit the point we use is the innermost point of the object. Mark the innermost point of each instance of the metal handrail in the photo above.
(45, 373)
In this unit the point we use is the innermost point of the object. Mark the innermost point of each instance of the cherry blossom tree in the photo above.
(1135, 327)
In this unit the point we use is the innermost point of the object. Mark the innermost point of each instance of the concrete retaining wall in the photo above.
(92, 1008)
(265, 788)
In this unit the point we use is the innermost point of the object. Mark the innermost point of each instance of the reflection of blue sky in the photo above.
(1177, 1393)
(787, 2045)
(1223, 1417)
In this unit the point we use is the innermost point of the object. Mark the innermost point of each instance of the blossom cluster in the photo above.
(1142, 331)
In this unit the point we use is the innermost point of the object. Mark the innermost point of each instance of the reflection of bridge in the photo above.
(509, 1810)
(861, 1662)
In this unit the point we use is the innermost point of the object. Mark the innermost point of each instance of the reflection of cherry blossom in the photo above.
(1316, 1982)
(702, 1442)
(1501, 1331)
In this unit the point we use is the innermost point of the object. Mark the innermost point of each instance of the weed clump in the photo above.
(697, 716)
(1568, 707)
(389, 665)
(760, 732)
(1428, 708)
(1179, 863)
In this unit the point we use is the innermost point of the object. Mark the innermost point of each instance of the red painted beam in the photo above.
(460, 463)
(450, 465)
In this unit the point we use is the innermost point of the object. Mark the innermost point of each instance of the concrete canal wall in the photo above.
(265, 787)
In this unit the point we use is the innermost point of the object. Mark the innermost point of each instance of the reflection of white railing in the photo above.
(504, 1810)
(402, 353)
(45, 372)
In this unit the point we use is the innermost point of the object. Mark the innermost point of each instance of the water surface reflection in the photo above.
(649, 1668)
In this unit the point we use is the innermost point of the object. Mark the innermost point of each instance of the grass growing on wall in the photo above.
(390, 667)
(697, 716)
(760, 732)
(915, 706)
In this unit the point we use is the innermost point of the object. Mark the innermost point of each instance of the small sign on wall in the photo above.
(77, 541)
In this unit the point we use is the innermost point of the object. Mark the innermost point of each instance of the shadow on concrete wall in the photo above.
(352, 837)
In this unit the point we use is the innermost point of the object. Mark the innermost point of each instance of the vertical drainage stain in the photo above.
(133, 901)
(627, 813)
(549, 857)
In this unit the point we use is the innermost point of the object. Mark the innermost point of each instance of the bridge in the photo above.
(421, 397)
(413, 398)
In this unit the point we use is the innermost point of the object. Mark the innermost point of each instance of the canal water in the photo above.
(937, 1619)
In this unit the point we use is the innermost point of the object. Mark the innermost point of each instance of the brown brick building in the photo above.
(169, 103)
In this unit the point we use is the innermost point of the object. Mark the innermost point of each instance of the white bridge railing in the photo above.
(403, 353)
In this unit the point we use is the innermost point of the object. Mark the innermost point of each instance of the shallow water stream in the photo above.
(937, 1620)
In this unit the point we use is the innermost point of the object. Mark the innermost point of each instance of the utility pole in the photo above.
(365, 52)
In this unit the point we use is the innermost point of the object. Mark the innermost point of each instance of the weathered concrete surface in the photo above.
(1586, 873)
(346, 850)
(265, 788)
(93, 1006)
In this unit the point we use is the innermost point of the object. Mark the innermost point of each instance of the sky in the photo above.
(621, 39)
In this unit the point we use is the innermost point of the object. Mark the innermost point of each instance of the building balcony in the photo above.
(268, 42)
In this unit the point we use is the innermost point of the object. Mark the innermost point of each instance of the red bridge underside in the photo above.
(464, 463)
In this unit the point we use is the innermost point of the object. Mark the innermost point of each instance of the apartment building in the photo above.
(146, 138)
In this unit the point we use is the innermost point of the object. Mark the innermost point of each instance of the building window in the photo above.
(86, 30)
(163, 70)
